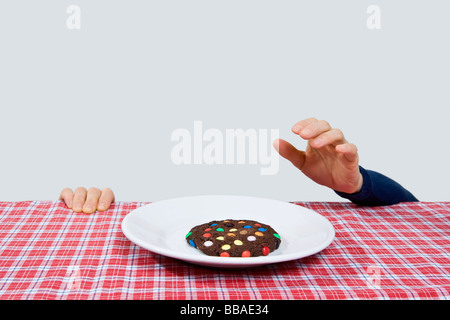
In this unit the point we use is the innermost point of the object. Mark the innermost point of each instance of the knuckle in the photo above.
(66, 190)
(80, 189)
(325, 123)
(339, 133)
(94, 190)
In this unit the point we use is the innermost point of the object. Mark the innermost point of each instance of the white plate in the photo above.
(161, 227)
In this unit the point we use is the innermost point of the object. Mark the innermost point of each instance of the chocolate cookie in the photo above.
(234, 238)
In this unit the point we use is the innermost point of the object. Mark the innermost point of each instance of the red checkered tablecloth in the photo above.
(393, 252)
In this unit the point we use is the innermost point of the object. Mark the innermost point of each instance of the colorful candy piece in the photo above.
(208, 243)
(265, 251)
(246, 254)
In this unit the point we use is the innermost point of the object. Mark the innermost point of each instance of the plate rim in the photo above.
(240, 262)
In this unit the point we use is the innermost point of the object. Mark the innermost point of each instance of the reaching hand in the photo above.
(328, 159)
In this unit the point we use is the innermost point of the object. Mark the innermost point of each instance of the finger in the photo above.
(106, 199)
(67, 196)
(289, 152)
(349, 150)
(314, 129)
(302, 123)
(79, 198)
(92, 197)
(331, 137)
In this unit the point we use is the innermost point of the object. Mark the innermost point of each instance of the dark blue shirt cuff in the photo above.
(378, 190)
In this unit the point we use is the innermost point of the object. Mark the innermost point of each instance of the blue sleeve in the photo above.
(378, 190)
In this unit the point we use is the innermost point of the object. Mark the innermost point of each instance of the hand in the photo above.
(87, 201)
(328, 159)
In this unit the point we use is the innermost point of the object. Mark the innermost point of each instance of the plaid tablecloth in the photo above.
(394, 252)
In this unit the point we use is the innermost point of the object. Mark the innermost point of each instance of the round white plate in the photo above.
(161, 227)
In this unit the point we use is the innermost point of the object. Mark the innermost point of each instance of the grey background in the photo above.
(97, 106)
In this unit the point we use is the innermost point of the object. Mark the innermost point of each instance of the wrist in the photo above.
(359, 184)
(353, 188)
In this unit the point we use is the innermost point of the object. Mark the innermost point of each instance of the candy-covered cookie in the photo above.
(234, 238)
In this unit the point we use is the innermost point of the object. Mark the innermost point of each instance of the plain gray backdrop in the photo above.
(97, 106)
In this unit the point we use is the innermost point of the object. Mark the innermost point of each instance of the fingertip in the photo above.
(346, 148)
(64, 192)
(300, 125)
(296, 128)
(81, 190)
(276, 144)
(349, 150)
(88, 209)
(107, 196)
(107, 190)
(340, 148)
(103, 206)
(281, 145)
(305, 133)
(317, 142)
(77, 209)
(66, 196)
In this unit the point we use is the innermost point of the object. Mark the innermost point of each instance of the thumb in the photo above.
(289, 152)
